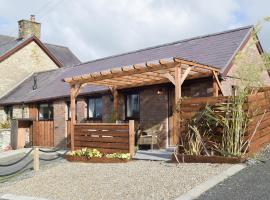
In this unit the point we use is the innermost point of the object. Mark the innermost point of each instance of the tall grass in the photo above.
(232, 118)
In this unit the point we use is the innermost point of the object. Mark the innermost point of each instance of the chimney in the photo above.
(28, 28)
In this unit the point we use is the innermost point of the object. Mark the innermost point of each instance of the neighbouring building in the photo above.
(24, 55)
(150, 106)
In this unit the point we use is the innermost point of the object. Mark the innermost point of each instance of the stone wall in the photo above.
(20, 111)
(154, 113)
(3, 116)
(60, 120)
(107, 115)
(81, 109)
(22, 64)
(202, 87)
(4, 139)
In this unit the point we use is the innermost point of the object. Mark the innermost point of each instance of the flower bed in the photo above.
(183, 158)
(94, 156)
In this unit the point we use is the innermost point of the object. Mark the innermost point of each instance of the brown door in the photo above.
(43, 133)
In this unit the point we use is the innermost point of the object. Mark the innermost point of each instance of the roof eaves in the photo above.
(228, 66)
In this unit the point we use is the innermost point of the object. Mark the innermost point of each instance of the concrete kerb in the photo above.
(203, 187)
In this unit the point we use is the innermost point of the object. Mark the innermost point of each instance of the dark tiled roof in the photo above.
(4, 39)
(216, 50)
(63, 54)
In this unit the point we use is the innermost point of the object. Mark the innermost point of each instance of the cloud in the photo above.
(94, 29)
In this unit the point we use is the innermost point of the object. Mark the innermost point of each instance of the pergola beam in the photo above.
(185, 75)
(170, 78)
(216, 84)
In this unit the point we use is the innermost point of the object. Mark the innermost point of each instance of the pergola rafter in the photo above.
(175, 70)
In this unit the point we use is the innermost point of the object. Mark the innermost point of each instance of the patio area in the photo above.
(133, 180)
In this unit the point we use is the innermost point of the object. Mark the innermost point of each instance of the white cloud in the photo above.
(94, 29)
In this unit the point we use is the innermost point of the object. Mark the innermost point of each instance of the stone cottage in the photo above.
(24, 55)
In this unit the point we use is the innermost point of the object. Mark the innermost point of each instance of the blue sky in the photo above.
(94, 29)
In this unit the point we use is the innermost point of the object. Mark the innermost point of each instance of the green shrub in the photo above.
(124, 156)
(94, 153)
(5, 125)
(89, 153)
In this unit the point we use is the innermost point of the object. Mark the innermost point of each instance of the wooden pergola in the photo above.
(174, 70)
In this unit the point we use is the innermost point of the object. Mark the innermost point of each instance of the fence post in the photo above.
(36, 159)
(131, 138)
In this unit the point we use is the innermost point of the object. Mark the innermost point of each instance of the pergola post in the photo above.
(215, 87)
(178, 95)
(74, 91)
(115, 103)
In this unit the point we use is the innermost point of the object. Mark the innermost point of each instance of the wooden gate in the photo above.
(43, 133)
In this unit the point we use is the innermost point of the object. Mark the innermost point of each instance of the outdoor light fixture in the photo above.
(160, 91)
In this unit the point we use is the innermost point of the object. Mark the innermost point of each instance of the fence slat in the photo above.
(255, 106)
(107, 137)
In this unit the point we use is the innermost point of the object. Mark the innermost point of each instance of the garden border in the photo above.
(182, 158)
(83, 159)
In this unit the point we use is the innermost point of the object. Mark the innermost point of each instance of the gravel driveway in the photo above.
(133, 180)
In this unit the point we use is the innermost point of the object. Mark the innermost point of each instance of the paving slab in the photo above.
(158, 155)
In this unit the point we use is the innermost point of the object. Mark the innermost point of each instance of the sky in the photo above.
(98, 28)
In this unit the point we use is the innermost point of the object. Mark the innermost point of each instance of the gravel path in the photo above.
(133, 180)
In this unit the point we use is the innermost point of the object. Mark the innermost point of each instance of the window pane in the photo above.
(95, 107)
(45, 111)
(91, 107)
(98, 109)
(133, 106)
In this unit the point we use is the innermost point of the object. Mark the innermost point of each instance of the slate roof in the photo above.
(63, 54)
(216, 50)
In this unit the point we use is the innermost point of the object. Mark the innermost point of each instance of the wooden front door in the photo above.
(43, 133)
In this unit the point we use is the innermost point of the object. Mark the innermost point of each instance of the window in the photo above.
(132, 106)
(95, 107)
(68, 109)
(9, 112)
(45, 111)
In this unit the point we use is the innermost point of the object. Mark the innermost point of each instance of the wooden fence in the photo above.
(259, 113)
(257, 107)
(106, 137)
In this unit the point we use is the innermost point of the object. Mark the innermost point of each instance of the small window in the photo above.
(45, 111)
(95, 107)
(132, 106)
(68, 109)
(9, 112)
